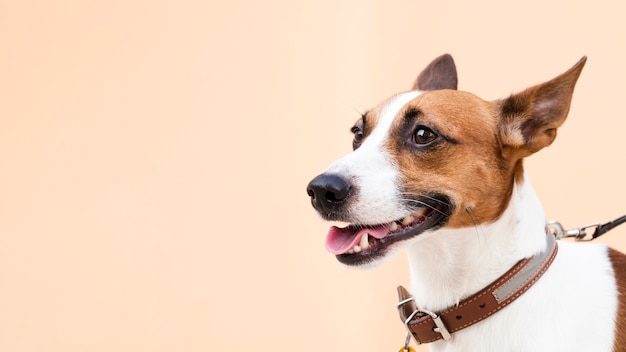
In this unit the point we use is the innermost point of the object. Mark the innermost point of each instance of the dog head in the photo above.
(434, 157)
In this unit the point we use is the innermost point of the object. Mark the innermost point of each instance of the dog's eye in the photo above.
(358, 137)
(424, 135)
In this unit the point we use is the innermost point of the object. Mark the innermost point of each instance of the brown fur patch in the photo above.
(618, 260)
(473, 170)
(479, 157)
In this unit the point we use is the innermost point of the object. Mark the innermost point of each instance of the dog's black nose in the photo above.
(328, 193)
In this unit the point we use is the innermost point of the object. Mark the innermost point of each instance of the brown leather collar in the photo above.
(426, 326)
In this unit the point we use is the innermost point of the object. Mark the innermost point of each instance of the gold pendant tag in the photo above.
(406, 349)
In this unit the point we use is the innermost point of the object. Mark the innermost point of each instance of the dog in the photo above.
(439, 173)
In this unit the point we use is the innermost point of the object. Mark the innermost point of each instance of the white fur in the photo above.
(372, 170)
(575, 299)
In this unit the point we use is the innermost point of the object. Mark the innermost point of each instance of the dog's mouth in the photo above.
(358, 244)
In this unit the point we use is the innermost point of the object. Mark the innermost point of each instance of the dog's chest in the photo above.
(572, 308)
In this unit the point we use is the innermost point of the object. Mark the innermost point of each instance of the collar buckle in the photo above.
(440, 327)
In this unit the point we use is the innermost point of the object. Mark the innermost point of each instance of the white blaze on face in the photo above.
(373, 173)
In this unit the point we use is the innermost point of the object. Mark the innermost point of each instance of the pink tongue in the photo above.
(340, 240)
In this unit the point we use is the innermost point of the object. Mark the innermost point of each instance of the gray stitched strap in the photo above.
(528, 272)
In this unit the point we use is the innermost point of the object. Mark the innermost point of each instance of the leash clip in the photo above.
(579, 233)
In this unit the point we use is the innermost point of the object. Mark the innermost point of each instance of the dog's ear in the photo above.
(439, 74)
(529, 119)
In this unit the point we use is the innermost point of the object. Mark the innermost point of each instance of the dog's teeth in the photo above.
(364, 241)
(350, 251)
(393, 227)
(356, 249)
(407, 220)
(420, 212)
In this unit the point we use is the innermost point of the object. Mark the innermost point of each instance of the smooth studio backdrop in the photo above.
(154, 157)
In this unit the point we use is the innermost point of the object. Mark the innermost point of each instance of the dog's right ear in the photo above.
(439, 74)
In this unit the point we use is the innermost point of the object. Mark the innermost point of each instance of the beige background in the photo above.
(154, 157)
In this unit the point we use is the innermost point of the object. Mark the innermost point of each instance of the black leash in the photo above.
(580, 233)
(604, 228)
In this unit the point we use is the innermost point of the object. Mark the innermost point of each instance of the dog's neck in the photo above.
(450, 265)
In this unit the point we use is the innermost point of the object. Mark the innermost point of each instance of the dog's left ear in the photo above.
(529, 119)
(439, 74)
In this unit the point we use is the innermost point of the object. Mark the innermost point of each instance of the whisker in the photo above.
(415, 195)
(353, 105)
(477, 226)
(426, 205)
(420, 203)
(424, 196)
